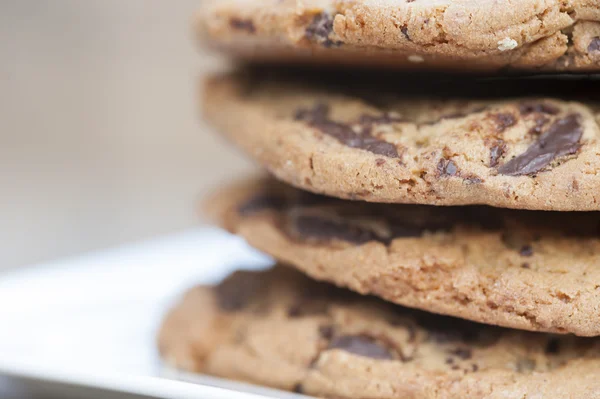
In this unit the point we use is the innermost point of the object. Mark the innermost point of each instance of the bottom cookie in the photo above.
(279, 328)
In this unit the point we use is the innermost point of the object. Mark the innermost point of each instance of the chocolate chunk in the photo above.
(474, 367)
(327, 229)
(462, 353)
(404, 30)
(594, 45)
(525, 265)
(561, 138)
(361, 345)
(319, 30)
(544, 108)
(496, 152)
(317, 118)
(552, 347)
(260, 203)
(526, 250)
(242, 24)
(447, 167)
(504, 121)
(379, 161)
(237, 290)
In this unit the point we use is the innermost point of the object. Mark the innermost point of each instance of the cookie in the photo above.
(546, 35)
(529, 270)
(280, 329)
(412, 140)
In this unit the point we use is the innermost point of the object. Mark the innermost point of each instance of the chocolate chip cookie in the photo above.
(547, 35)
(281, 329)
(529, 270)
(404, 140)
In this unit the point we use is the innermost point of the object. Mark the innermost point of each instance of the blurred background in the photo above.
(101, 139)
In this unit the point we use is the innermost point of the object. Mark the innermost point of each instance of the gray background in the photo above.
(101, 139)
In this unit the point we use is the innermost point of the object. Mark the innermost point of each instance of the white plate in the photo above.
(91, 322)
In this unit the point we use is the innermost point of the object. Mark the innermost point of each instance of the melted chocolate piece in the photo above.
(362, 346)
(317, 117)
(404, 30)
(447, 167)
(260, 203)
(561, 138)
(594, 45)
(237, 290)
(544, 108)
(242, 24)
(496, 152)
(319, 30)
(327, 229)
(504, 121)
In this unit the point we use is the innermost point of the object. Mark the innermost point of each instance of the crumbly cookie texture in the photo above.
(280, 329)
(529, 270)
(406, 140)
(551, 35)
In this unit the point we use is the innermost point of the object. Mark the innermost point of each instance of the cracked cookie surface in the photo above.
(546, 35)
(413, 140)
(532, 270)
(279, 328)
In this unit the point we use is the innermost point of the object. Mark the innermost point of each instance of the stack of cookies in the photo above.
(438, 235)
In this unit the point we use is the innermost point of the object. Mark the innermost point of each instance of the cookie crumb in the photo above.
(507, 44)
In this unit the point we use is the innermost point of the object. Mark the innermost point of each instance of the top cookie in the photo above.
(405, 140)
(548, 35)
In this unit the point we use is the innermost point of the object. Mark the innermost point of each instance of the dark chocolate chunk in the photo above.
(319, 30)
(404, 30)
(242, 24)
(526, 250)
(317, 118)
(504, 121)
(326, 229)
(541, 107)
(561, 138)
(237, 290)
(552, 347)
(496, 152)
(447, 167)
(594, 45)
(362, 345)
(260, 203)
